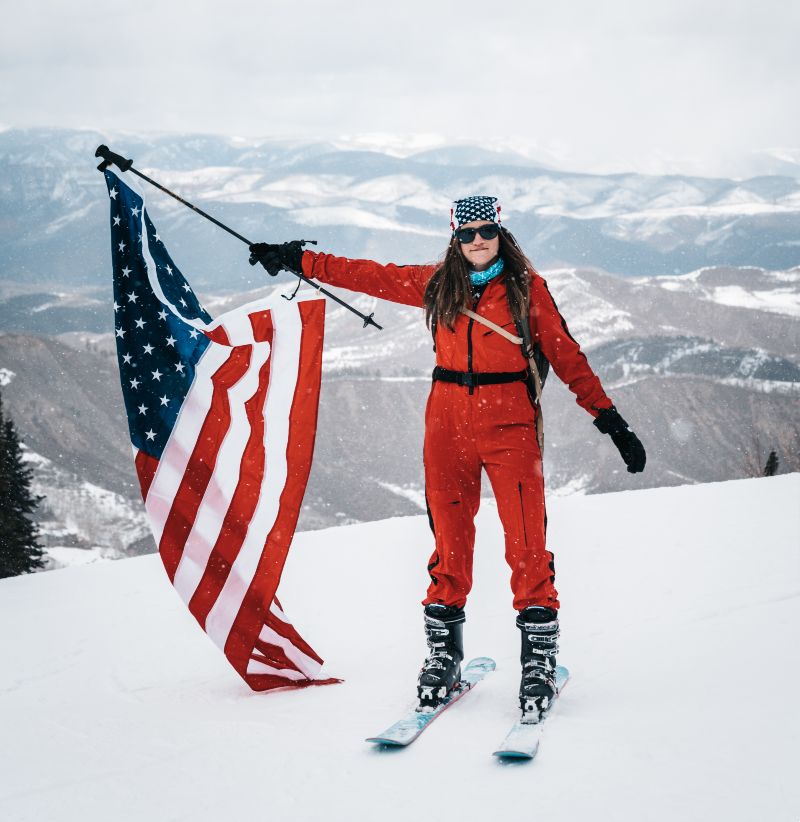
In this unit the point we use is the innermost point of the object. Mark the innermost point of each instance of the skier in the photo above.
(482, 413)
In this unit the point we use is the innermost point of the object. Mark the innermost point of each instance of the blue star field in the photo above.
(157, 350)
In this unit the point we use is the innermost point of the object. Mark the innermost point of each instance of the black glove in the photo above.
(610, 422)
(276, 257)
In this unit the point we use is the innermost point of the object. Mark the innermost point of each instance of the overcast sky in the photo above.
(604, 86)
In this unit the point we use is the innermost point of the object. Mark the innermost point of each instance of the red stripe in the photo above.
(272, 655)
(269, 682)
(287, 631)
(201, 464)
(299, 451)
(242, 506)
(218, 335)
(262, 325)
(145, 470)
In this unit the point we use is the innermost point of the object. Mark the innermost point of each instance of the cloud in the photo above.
(602, 84)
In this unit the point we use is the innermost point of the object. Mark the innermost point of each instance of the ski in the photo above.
(407, 729)
(522, 741)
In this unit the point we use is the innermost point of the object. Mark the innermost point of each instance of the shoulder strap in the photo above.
(489, 324)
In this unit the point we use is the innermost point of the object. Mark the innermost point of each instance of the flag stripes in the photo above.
(224, 480)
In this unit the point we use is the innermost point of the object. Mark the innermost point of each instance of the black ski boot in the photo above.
(539, 627)
(441, 670)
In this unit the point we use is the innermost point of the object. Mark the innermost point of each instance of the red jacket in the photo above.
(471, 346)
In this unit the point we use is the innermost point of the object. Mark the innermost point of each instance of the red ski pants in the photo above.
(493, 428)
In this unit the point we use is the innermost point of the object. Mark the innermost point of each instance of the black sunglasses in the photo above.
(467, 235)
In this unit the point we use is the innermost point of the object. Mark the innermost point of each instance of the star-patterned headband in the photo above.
(474, 208)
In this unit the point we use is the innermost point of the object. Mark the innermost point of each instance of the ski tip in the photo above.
(389, 743)
(562, 671)
(518, 755)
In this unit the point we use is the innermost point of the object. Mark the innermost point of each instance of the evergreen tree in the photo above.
(20, 552)
(771, 468)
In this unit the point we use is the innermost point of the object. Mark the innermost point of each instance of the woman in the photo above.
(481, 414)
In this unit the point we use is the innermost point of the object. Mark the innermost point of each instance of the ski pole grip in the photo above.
(109, 158)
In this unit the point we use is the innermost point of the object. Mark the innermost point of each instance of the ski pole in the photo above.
(124, 164)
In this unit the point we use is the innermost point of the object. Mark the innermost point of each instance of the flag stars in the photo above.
(179, 367)
(121, 246)
(140, 323)
(127, 359)
(164, 400)
(186, 287)
(121, 333)
(142, 409)
(116, 306)
(135, 211)
(148, 349)
(183, 302)
(126, 271)
(116, 220)
(132, 297)
(194, 333)
(157, 375)
(171, 341)
(134, 383)
(162, 315)
(151, 435)
(169, 270)
(113, 193)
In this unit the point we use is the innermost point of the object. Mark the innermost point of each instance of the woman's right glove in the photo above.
(609, 421)
(276, 257)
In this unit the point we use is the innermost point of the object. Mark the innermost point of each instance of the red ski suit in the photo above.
(485, 426)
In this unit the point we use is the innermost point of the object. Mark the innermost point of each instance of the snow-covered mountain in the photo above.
(679, 618)
(373, 202)
(701, 354)
(710, 387)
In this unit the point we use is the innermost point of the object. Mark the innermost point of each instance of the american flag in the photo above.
(222, 416)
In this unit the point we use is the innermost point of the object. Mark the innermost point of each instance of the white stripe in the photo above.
(276, 611)
(280, 395)
(220, 490)
(180, 445)
(310, 667)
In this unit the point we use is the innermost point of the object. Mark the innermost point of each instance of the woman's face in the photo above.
(480, 253)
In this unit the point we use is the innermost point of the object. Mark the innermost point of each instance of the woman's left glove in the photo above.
(276, 257)
(609, 421)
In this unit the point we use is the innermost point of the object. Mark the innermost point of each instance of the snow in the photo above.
(351, 216)
(591, 317)
(680, 609)
(6, 375)
(782, 298)
(103, 522)
(779, 300)
(64, 557)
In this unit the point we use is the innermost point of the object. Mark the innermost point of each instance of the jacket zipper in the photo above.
(469, 355)
(469, 340)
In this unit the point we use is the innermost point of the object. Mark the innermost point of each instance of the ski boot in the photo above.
(537, 690)
(441, 670)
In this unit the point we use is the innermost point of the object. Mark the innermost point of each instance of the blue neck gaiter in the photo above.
(481, 277)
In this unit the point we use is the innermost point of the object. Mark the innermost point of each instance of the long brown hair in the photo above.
(449, 289)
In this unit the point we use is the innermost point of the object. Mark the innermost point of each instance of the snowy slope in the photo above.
(680, 609)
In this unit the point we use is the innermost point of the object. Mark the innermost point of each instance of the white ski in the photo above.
(522, 741)
(407, 729)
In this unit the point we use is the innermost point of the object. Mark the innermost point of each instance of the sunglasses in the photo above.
(487, 232)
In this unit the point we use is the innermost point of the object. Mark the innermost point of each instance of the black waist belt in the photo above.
(471, 379)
